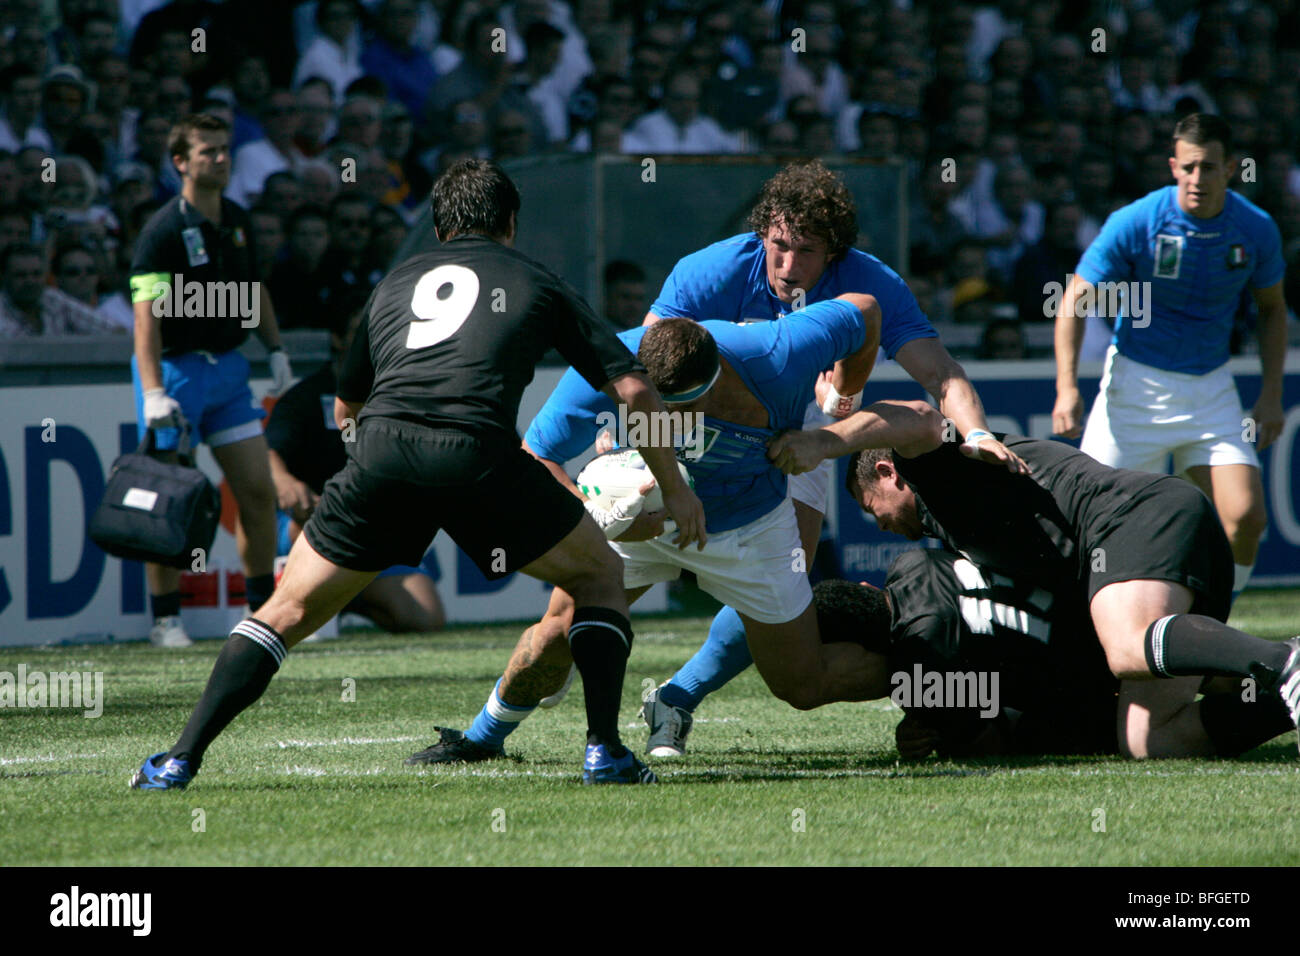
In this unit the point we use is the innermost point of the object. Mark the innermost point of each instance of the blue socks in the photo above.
(723, 656)
(496, 721)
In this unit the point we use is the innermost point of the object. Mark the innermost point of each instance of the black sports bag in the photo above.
(155, 511)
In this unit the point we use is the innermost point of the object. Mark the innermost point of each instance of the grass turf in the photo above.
(305, 777)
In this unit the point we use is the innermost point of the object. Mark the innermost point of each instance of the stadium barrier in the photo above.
(58, 440)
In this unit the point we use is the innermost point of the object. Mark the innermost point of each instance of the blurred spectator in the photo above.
(679, 127)
(877, 135)
(318, 183)
(1005, 225)
(482, 76)
(293, 282)
(410, 182)
(29, 308)
(387, 232)
(166, 33)
(268, 240)
(315, 117)
(335, 54)
(626, 300)
(406, 70)
(15, 227)
(251, 85)
(1003, 340)
(933, 230)
(360, 121)
(1049, 260)
(173, 97)
(536, 77)
(815, 73)
(64, 98)
(275, 153)
(511, 135)
(9, 184)
(345, 277)
(20, 92)
(77, 275)
(282, 193)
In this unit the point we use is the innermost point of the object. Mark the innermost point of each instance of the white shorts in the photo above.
(813, 487)
(1143, 415)
(755, 569)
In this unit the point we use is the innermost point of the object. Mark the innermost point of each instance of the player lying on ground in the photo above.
(747, 383)
(1007, 670)
(440, 370)
(1146, 553)
(799, 252)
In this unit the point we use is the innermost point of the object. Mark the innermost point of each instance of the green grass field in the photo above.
(304, 777)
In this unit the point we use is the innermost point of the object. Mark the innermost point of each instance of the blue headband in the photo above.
(681, 398)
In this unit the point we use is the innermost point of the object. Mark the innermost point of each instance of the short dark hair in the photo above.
(623, 270)
(1202, 129)
(178, 140)
(18, 250)
(678, 354)
(862, 468)
(848, 612)
(474, 196)
(811, 201)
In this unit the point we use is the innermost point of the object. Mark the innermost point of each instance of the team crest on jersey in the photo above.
(1169, 257)
(237, 236)
(1237, 257)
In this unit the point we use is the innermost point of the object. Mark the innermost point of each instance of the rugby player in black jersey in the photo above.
(984, 666)
(1145, 553)
(449, 341)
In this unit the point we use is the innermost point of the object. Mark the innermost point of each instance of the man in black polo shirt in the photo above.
(1145, 553)
(449, 341)
(195, 296)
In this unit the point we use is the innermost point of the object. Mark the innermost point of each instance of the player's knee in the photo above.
(800, 697)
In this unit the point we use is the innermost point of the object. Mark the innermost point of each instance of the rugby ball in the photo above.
(619, 473)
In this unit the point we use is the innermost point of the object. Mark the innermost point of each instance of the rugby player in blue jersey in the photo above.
(800, 252)
(749, 384)
(1197, 247)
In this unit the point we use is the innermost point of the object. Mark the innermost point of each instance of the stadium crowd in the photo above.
(1023, 125)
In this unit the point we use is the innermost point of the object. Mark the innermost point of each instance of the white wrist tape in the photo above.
(841, 406)
(614, 521)
(977, 435)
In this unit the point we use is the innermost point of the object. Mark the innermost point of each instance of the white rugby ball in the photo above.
(619, 473)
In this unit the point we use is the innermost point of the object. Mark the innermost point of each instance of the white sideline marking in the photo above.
(339, 741)
(44, 758)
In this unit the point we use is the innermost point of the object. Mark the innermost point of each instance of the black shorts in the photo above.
(1169, 532)
(404, 482)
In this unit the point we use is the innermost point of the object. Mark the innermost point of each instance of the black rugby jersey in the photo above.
(450, 338)
(1035, 527)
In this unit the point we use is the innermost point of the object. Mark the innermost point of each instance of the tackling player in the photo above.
(1197, 246)
(800, 252)
(1054, 691)
(440, 368)
(747, 383)
(1144, 552)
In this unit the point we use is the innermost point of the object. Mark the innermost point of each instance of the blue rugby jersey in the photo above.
(728, 281)
(777, 361)
(1198, 270)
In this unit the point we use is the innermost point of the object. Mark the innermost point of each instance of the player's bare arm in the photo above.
(849, 375)
(929, 363)
(268, 327)
(291, 495)
(148, 345)
(637, 392)
(1268, 414)
(910, 428)
(650, 319)
(346, 412)
(1067, 416)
